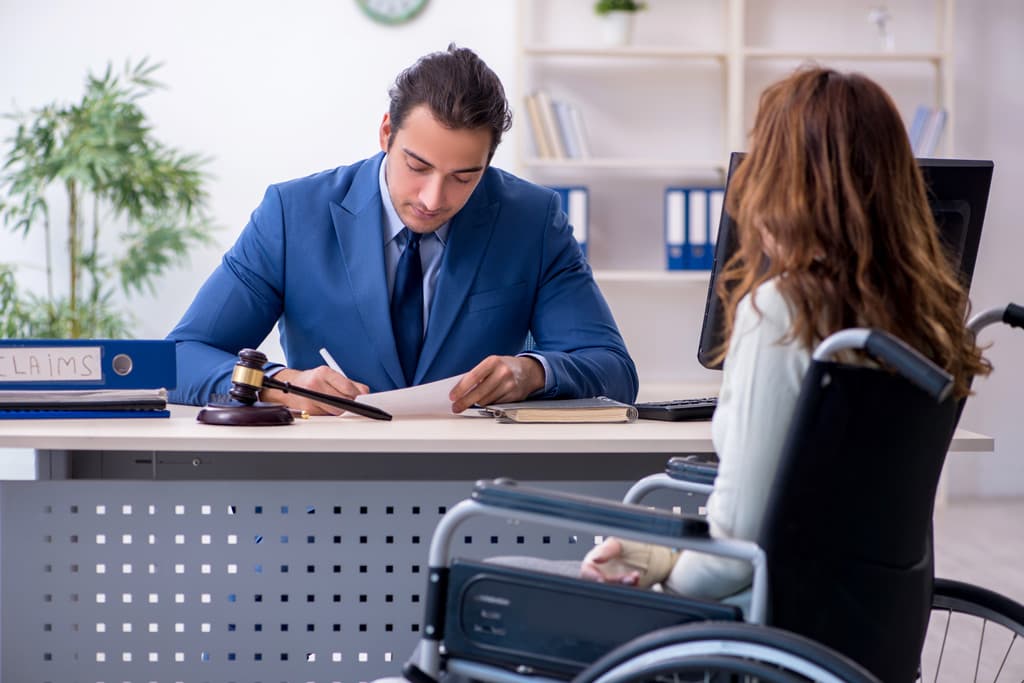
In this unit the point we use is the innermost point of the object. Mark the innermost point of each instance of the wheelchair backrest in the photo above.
(848, 527)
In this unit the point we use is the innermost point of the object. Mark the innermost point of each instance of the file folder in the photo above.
(692, 215)
(696, 252)
(80, 414)
(576, 204)
(53, 364)
(716, 205)
(675, 227)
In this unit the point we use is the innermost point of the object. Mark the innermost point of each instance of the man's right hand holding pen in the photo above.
(326, 380)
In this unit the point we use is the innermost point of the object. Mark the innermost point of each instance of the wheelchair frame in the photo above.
(603, 517)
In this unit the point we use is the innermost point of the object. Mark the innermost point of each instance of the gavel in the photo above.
(248, 378)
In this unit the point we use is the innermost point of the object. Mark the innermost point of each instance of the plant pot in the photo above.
(617, 28)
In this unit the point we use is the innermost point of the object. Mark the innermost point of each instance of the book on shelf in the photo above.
(579, 132)
(556, 127)
(692, 216)
(550, 124)
(925, 130)
(576, 204)
(574, 410)
(917, 125)
(932, 133)
(540, 141)
(563, 117)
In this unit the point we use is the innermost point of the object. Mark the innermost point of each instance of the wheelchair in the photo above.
(842, 590)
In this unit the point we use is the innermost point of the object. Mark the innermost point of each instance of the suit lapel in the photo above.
(357, 223)
(468, 238)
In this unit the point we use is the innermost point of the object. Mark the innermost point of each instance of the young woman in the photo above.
(834, 231)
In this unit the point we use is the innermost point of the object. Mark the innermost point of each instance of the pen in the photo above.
(331, 363)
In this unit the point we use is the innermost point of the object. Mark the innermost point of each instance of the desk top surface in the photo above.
(351, 434)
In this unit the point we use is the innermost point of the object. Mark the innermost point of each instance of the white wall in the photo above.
(990, 107)
(271, 91)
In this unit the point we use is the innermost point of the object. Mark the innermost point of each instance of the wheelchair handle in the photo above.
(1011, 314)
(895, 353)
(1014, 315)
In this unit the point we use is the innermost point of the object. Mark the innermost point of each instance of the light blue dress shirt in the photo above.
(432, 247)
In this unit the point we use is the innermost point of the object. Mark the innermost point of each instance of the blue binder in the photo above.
(80, 414)
(691, 226)
(53, 364)
(675, 227)
(576, 204)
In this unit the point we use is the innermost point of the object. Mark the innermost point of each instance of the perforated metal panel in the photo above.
(122, 581)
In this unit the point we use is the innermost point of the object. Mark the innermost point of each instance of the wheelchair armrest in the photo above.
(689, 468)
(508, 494)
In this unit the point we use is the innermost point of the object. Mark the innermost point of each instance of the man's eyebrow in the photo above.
(417, 157)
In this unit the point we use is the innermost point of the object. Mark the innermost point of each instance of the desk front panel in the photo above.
(231, 580)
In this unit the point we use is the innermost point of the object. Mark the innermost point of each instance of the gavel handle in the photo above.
(336, 401)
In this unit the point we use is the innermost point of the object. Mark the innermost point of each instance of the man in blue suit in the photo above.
(333, 258)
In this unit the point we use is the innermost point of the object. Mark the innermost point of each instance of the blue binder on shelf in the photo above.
(576, 204)
(61, 364)
(692, 215)
(675, 227)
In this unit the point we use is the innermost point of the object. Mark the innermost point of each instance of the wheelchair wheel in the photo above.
(974, 634)
(710, 651)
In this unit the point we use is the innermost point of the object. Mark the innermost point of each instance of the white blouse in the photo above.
(760, 384)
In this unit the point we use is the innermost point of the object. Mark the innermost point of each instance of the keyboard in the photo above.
(678, 409)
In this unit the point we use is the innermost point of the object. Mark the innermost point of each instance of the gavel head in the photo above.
(247, 378)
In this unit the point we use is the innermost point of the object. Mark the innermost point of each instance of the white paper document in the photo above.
(425, 400)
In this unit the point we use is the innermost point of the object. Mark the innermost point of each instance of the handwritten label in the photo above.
(50, 364)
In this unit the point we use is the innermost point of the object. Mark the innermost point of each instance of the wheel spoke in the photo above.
(1005, 657)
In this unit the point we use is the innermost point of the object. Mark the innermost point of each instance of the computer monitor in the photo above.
(957, 193)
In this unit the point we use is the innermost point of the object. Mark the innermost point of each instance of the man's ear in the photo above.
(385, 132)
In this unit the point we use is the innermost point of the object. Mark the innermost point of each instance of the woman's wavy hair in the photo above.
(830, 201)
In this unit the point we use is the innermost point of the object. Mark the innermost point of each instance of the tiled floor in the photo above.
(980, 543)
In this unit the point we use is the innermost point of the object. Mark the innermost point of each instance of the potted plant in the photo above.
(617, 16)
(114, 174)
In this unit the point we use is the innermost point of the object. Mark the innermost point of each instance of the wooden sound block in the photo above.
(257, 415)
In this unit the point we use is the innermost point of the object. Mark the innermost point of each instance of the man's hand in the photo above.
(604, 564)
(321, 379)
(497, 379)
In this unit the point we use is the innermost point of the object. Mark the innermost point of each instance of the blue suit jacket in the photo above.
(312, 259)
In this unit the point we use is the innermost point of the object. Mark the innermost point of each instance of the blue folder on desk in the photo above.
(53, 364)
(79, 414)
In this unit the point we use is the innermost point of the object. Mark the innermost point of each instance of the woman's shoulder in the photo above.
(765, 303)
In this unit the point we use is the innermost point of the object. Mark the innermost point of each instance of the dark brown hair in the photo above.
(830, 202)
(459, 88)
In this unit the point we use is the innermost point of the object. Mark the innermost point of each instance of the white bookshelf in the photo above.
(668, 109)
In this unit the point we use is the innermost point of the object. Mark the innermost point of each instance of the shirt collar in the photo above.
(392, 224)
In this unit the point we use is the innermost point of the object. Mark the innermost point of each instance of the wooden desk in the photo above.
(164, 549)
(350, 434)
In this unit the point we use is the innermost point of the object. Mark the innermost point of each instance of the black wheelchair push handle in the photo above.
(910, 363)
(894, 353)
(1014, 315)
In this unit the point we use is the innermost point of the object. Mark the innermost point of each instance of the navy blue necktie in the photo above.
(407, 305)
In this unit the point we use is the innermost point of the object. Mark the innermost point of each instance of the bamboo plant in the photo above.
(115, 176)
